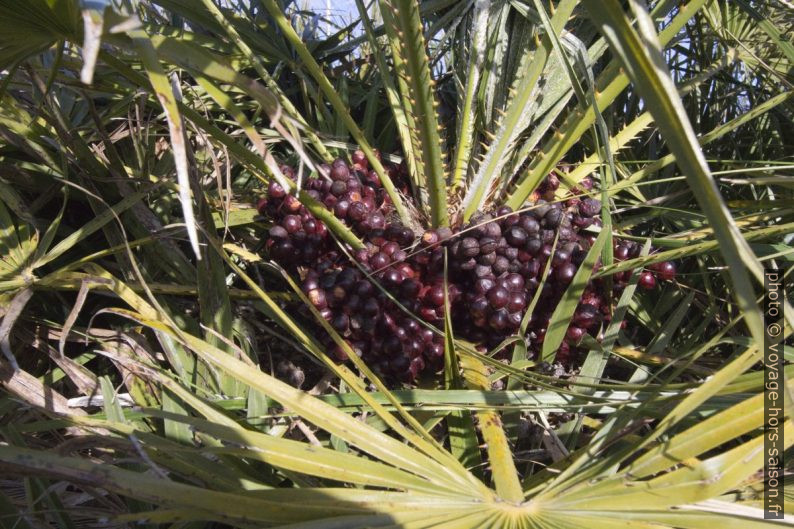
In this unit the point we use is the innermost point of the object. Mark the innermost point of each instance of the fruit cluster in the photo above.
(497, 259)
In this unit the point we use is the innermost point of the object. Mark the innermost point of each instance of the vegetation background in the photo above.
(152, 373)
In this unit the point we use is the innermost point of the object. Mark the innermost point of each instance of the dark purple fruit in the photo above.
(582, 222)
(358, 157)
(540, 209)
(564, 274)
(410, 288)
(339, 171)
(483, 285)
(317, 298)
(435, 296)
(364, 288)
(393, 277)
(560, 257)
(292, 204)
(357, 211)
(415, 367)
(370, 307)
(488, 245)
(274, 190)
(492, 230)
(486, 259)
(516, 236)
(483, 270)
(621, 253)
(389, 248)
(574, 334)
(479, 308)
(469, 264)
(665, 270)
(310, 226)
(340, 322)
(347, 278)
(499, 320)
(501, 265)
(379, 260)
(647, 281)
(428, 313)
(589, 207)
(529, 224)
(292, 223)
(514, 320)
(514, 282)
(401, 333)
(338, 188)
(283, 251)
(430, 237)
(278, 233)
(434, 350)
(469, 247)
(341, 208)
(405, 237)
(498, 297)
(376, 221)
(426, 335)
(261, 205)
(586, 316)
(517, 302)
(534, 246)
(552, 218)
(352, 306)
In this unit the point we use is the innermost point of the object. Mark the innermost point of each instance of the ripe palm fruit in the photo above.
(495, 265)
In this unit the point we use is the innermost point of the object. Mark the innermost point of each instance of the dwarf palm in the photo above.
(150, 120)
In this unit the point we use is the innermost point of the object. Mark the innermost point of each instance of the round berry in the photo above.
(647, 281)
(376, 220)
(292, 223)
(517, 302)
(666, 271)
(499, 320)
(560, 257)
(357, 211)
(393, 277)
(553, 217)
(278, 233)
(586, 316)
(565, 273)
(529, 224)
(274, 190)
(574, 333)
(589, 207)
(469, 247)
(435, 296)
(358, 157)
(339, 171)
(479, 308)
(514, 282)
(340, 322)
(341, 208)
(498, 297)
(379, 260)
(516, 236)
(430, 237)
(501, 265)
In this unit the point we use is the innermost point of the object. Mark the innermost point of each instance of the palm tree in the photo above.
(136, 136)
